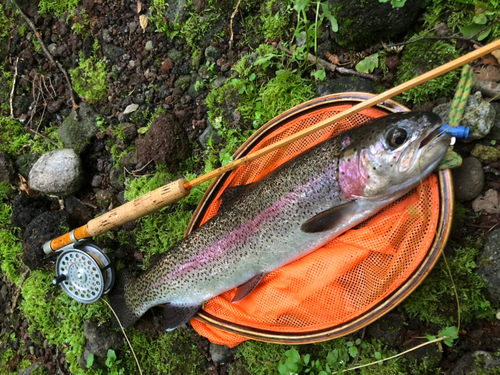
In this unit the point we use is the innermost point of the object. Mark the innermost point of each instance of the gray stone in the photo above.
(221, 353)
(116, 179)
(495, 130)
(468, 179)
(106, 37)
(117, 69)
(76, 134)
(488, 203)
(34, 366)
(53, 49)
(177, 11)
(219, 82)
(205, 137)
(98, 339)
(345, 84)
(489, 264)
(212, 53)
(183, 82)
(7, 172)
(479, 115)
(475, 363)
(129, 131)
(129, 160)
(149, 46)
(112, 53)
(391, 327)
(57, 172)
(96, 181)
(371, 20)
(175, 55)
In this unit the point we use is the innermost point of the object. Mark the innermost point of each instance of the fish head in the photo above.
(391, 154)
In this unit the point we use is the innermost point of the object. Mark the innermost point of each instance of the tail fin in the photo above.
(119, 303)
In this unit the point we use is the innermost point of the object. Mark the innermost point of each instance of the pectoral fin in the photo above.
(331, 218)
(175, 316)
(245, 289)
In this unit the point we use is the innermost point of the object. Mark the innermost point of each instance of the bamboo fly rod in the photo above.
(179, 189)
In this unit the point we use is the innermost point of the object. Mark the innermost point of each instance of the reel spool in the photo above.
(84, 272)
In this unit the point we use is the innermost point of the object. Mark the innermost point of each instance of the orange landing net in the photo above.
(345, 278)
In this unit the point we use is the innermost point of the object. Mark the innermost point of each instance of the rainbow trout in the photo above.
(289, 213)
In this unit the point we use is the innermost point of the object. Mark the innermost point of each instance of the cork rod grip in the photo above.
(145, 204)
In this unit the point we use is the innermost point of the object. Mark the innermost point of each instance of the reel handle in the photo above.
(141, 206)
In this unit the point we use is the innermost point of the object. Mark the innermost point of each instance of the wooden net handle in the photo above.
(144, 205)
(179, 189)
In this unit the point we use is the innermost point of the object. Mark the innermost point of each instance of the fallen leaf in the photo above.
(487, 73)
(139, 6)
(490, 60)
(143, 20)
(130, 108)
(25, 187)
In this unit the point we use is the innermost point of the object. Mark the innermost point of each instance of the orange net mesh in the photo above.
(345, 278)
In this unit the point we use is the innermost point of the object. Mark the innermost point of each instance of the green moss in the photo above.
(276, 18)
(5, 23)
(48, 8)
(434, 301)
(58, 317)
(421, 57)
(159, 231)
(168, 353)
(89, 78)
(14, 137)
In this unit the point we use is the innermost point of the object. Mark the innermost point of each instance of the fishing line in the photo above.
(126, 337)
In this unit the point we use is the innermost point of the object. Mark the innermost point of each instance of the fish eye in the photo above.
(396, 137)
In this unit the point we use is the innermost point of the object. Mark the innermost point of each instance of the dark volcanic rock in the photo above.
(366, 21)
(391, 327)
(7, 171)
(43, 228)
(165, 142)
(98, 339)
(345, 84)
(489, 264)
(76, 134)
(25, 209)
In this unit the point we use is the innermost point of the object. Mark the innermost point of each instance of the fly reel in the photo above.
(84, 272)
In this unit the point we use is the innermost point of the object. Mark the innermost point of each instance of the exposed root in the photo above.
(48, 55)
(13, 89)
(231, 24)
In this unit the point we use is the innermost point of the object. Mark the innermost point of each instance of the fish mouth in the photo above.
(433, 134)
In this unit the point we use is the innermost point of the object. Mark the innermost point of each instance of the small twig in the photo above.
(49, 56)
(18, 291)
(231, 23)
(41, 135)
(86, 203)
(478, 226)
(331, 67)
(13, 89)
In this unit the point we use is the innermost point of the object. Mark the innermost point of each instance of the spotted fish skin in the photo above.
(289, 213)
